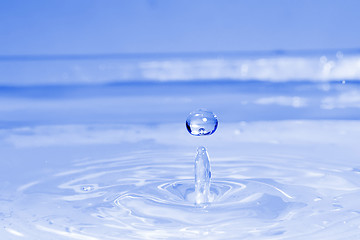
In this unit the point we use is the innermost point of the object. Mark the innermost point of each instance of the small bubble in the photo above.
(201, 122)
(87, 188)
(323, 59)
(339, 54)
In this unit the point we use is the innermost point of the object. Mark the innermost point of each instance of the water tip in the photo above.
(201, 149)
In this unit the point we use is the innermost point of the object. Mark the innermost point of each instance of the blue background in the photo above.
(158, 26)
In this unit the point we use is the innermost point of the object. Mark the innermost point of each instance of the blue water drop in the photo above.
(201, 122)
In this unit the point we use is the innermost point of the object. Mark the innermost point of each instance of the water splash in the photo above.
(202, 177)
(136, 195)
(201, 123)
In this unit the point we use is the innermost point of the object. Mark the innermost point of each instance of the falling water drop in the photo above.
(201, 122)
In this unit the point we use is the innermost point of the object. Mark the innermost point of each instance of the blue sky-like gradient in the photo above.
(162, 26)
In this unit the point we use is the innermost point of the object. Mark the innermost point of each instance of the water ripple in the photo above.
(149, 195)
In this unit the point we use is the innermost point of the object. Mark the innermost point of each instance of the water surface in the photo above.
(116, 161)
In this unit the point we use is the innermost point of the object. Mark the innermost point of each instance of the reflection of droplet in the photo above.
(343, 82)
(87, 188)
(201, 122)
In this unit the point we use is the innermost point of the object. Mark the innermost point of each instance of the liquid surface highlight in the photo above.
(150, 194)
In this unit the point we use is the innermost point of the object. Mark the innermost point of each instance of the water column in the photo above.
(202, 176)
(201, 123)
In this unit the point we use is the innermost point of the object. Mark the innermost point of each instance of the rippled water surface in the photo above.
(289, 170)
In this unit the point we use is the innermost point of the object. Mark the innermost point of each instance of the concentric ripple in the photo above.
(140, 197)
(231, 200)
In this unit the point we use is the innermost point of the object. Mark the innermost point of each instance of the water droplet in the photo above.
(87, 188)
(201, 122)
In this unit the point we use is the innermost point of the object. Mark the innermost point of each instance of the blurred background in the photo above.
(113, 61)
(66, 42)
(157, 26)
